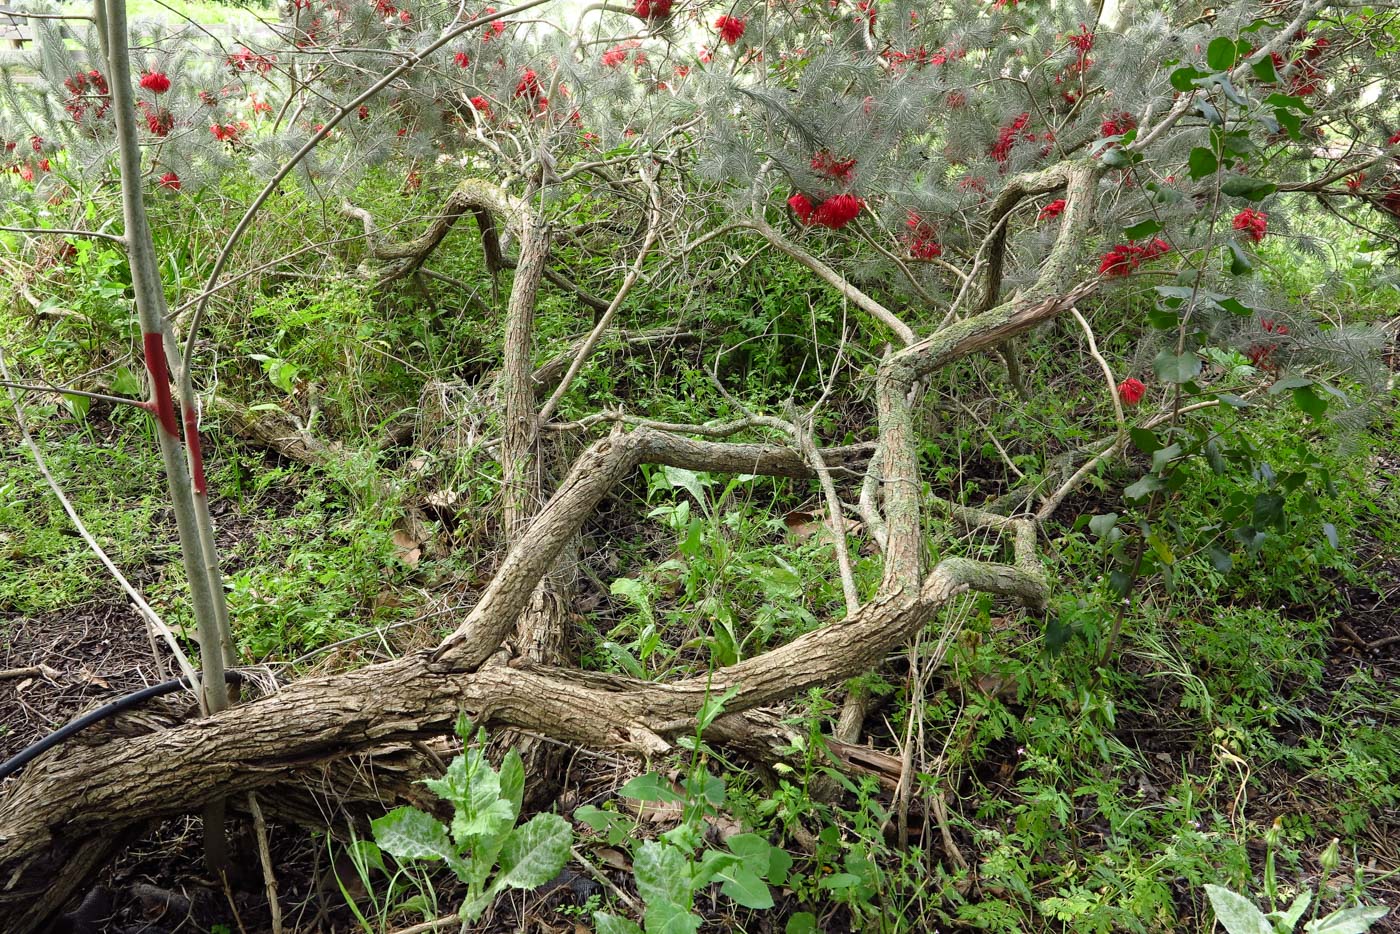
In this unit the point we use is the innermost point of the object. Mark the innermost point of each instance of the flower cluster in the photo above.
(731, 28)
(528, 88)
(247, 60)
(228, 132)
(652, 9)
(157, 82)
(1116, 124)
(1307, 77)
(159, 120)
(1260, 353)
(1254, 224)
(170, 181)
(833, 213)
(824, 163)
(922, 238)
(1053, 209)
(1007, 136)
(1131, 391)
(83, 86)
(1125, 257)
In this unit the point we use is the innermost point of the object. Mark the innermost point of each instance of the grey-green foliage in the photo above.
(1238, 915)
(484, 847)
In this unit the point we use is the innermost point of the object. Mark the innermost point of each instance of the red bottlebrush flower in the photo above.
(227, 132)
(1131, 391)
(973, 183)
(827, 164)
(923, 238)
(26, 172)
(494, 28)
(171, 181)
(731, 28)
(159, 121)
(1117, 124)
(1393, 140)
(838, 211)
(405, 17)
(36, 143)
(801, 206)
(157, 82)
(246, 60)
(1354, 182)
(1118, 261)
(363, 112)
(1254, 224)
(652, 9)
(482, 105)
(462, 59)
(956, 100)
(528, 87)
(1007, 136)
(614, 56)
(1272, 326)
(1053, 209)
(261, 107)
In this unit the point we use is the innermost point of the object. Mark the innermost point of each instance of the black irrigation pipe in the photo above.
(25, 756)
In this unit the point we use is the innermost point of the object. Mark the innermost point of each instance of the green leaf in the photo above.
(1330, 531)
(688, 480)
(1263, 68)
(1142, 229)
(1235, 912)
(1234, 306)
(408, 833)
(662, 874)
(1347, 921)
(1294, 914)
(666, 917)
(77, 406)
(1163, 457)
(535, 852)
(1202, 162)
(126, 383)
(612, 924)
(650, 787)
(1143, 488)
(1101, 525)
(513, 781)
(1290, 102)
(1221, 53)
(1307, 399)
(745, 888)
(804, 922)
(1184, 79)
(1176, 368)
(1268, 509)
(1290, 122)
(1120, 582)
(1240, 263)
(1220, 559)
(1144, 439)
(1243, 186)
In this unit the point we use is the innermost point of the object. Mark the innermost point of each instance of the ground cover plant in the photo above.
(876, 465)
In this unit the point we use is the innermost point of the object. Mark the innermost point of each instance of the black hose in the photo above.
(25, 756)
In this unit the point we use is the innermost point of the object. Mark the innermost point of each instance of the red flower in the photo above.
(1131, 391)
(246, 60)
(731, 28)
(1354, 182)
(801, 206)
(923, 238)
(614, 56)
(1253, 223)
(1125, 257)
(1052, 209)
(227, 132)
(1393, 140)
(1117, 124)
(158, 120)
(363, 112)
(652, 9)
(1006, 138)
(171, 181)
(1272, 326)
(836, 212)
(956, 100)
(826, 164)
(462, 59)
(529, 88)
(156, 82)
(482, 105)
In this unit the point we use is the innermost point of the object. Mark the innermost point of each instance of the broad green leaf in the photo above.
(1160, 459)
(612, 924)
(1143, 488)
(1240, 263)
(1243, 186)
(1294, 913)
(513, 781)
(1202, 162)
(1221, 560)
(1221, 53)
(597, 818)
(711, 865)
(1236, 913)
(665, 917)
(77, 406)
(804, 922)
(1184, 79)
(1176, 368)
(1347, 921)
(408, 833)
(650, 787)
(1263, 68)
(1289, 101)
(126, 383)
(688, 480)
(535, 852)
(1290, 122)
(1142, 229)
(1330, 531)
(1268, 509)
(1307, 399)
(1101, 525)
(746, 888)
(663, 874)
(1144, 439)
